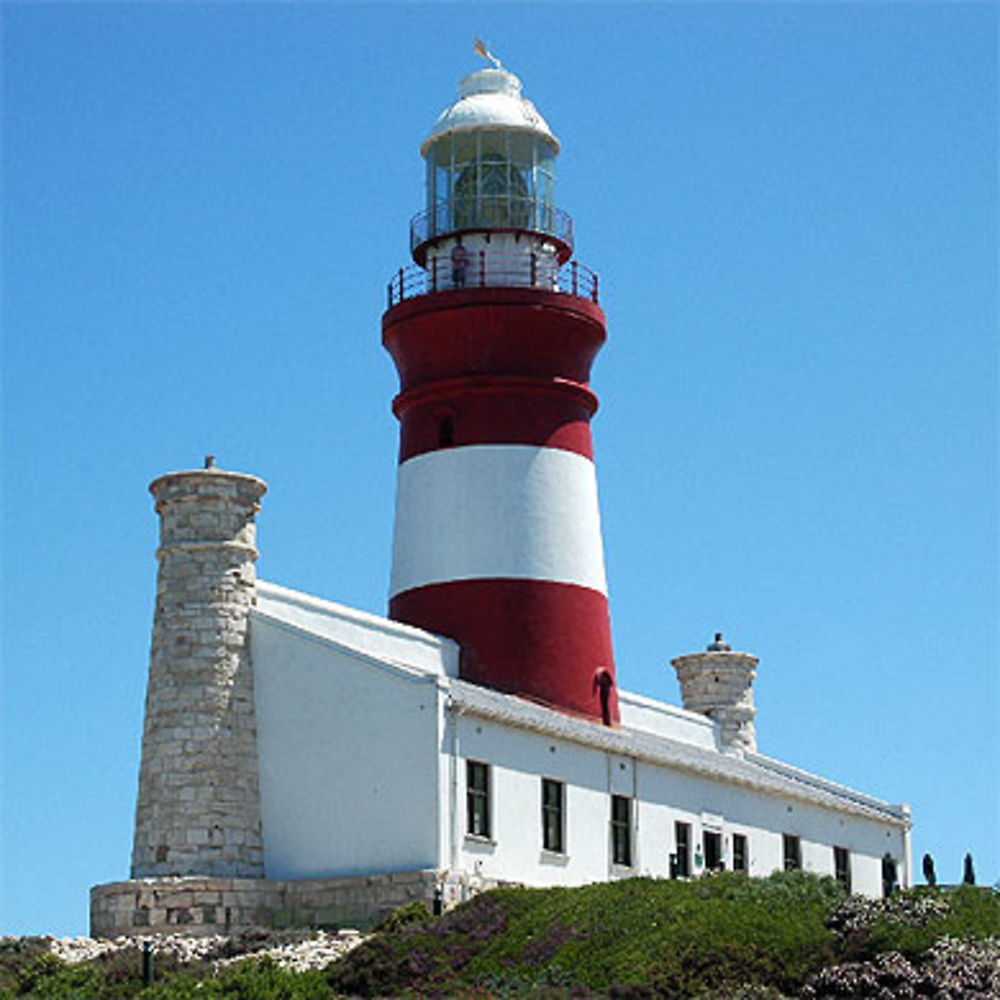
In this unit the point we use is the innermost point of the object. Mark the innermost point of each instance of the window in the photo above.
(682, 839)
(621, 830)
(553, 796)
(741, 861)
(842, 866)
(446, 432)
(491, 192)
(492, 179)
(713, 850)
(477, 798)
(792, 852)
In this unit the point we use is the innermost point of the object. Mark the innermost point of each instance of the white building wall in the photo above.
(348, 750)
(668, 721)
(670, 796)
(368, 635)
(518, 760)
(495, 259)
(363, 750)
(662, 796)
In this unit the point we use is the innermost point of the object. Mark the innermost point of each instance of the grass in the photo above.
(724, 936)
(677, 937)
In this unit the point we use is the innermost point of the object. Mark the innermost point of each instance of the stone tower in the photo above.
(198, 811)
(719, 683)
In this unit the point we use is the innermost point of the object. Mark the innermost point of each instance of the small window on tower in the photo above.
(477, 798)
(446, 432)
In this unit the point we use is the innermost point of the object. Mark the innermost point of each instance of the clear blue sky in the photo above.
(793, 210)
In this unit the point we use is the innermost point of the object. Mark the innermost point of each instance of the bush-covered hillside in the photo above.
(790, 935)
(653, 938)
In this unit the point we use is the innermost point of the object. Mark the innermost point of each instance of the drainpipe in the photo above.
(908, 879)
(452, 723)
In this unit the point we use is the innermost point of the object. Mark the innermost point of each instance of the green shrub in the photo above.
(15, 955)
(405, 916)
(721, 937)
(45, 977)
(252, 980)
(641, 937)
(38, 975)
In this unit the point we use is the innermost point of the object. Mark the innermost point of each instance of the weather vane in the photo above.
(482, 50)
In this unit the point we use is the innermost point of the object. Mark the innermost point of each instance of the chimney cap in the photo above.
(718, 645)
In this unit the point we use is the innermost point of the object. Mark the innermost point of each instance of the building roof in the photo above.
(391, 644)
(654, 731)
(754, 771)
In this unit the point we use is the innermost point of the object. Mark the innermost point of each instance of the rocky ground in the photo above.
(298, 953)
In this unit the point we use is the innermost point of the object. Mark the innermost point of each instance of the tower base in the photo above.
(200, 906)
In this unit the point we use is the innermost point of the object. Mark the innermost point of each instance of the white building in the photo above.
(555, 785)
(304, 762)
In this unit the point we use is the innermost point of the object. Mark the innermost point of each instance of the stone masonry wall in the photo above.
(719, 683)
(202, 906)
(198, 809)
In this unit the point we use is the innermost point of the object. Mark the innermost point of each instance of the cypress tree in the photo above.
(969, 875)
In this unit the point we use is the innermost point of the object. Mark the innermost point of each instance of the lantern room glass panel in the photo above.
(490, 180)
(545, 185)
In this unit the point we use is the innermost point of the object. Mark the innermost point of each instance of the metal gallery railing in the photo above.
(491, 212)
(494, 270)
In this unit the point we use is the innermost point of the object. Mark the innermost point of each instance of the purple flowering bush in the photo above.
(951, 969)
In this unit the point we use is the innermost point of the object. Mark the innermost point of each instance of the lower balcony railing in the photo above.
(492, 212)
(489, 269)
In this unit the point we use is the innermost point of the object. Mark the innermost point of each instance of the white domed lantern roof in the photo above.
(490, 99)
(491, 169)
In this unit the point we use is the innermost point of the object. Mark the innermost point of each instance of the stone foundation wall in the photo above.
(200, 905)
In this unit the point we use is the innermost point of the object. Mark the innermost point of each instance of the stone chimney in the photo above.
(719, 683)
(198, 810)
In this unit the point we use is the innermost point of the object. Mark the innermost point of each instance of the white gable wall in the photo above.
(367, 634)
(348, 758)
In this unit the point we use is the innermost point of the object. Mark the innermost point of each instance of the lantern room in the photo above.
(490, 177)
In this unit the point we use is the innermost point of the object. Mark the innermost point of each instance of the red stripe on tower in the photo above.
(493, 332)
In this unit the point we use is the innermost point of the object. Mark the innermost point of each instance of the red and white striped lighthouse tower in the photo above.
(493, 331)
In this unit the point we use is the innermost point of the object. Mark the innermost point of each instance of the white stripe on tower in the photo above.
(497, 512)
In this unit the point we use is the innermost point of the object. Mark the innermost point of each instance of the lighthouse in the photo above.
(493, 330)
(503, 750)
